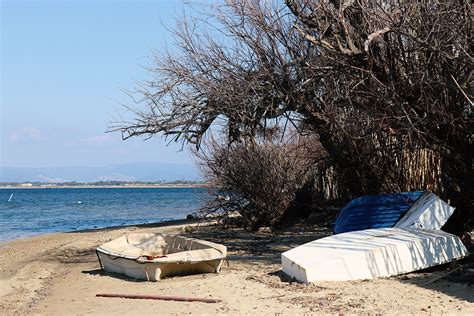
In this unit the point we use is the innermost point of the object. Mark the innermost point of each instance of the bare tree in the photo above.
(385, 86)
(236, 64)
(402, 70)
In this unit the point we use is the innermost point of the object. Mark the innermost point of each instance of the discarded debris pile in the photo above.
(379, 236)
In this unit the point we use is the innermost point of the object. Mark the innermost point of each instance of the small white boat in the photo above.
(155, 256)
(371, 253)
(428, 212)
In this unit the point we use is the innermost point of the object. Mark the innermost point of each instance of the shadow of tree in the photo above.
(261, 247)
(437, 279)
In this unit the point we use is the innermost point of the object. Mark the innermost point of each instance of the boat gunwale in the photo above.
(142, 259)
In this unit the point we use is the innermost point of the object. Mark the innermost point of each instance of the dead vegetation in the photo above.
(383, 87)
(262, 182)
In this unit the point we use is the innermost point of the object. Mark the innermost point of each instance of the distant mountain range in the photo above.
(123, 172)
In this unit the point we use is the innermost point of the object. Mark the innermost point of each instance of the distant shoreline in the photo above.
(131, 186)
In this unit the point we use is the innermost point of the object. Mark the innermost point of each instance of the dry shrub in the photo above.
(260, 181)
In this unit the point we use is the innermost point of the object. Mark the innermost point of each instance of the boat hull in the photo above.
(370, 254)
(153, 257)
(152, 271)
(374, 211)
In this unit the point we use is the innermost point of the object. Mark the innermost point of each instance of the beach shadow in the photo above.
(73, 256)
(263, 247)
(458, 284)
(94, 272)
(103, 273)
(284, 278)
(257, 247)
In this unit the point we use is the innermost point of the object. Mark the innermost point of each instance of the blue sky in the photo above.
(64, 65)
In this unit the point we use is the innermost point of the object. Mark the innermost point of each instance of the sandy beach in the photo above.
(58, 274)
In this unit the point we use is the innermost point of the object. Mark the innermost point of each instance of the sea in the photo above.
(28, 212)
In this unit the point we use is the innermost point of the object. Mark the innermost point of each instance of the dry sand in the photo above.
(58, 274)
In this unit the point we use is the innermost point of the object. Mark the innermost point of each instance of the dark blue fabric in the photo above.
(374, 211)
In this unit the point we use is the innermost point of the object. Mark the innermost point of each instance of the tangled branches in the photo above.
(385, 86)
(259, 180)
(401, 83)
(235, 64)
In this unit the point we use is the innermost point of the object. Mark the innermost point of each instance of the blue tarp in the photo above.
(374, 211)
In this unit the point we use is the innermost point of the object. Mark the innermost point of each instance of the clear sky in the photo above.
(64, 65)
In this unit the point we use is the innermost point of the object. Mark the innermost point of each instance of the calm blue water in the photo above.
(38, 211)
